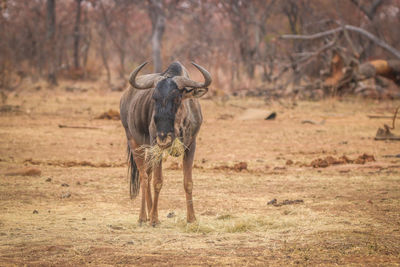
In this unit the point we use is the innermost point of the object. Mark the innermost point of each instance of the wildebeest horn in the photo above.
(186, 82)
(144, 81)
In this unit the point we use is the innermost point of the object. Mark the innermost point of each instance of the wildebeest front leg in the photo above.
(157, 184)
(187, 180)
(149, 175)
(139, 158)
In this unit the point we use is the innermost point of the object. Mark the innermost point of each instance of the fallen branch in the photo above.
(389, 69)
(306, 56)
(385, 133)
(379, 117)
(78, 127)
(313, 122)
(304, 59)
(367, 34)
(394, 118)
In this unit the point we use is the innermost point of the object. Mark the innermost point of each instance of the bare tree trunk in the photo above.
(104, 56)
(157, 16)
(291, 10)
(247, 20)
(87, 41)
(122, 63)
(50, 38)
(118, 43)
(86, 48)
(77, 34)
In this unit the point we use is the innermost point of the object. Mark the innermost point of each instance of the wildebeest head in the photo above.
(170, 89)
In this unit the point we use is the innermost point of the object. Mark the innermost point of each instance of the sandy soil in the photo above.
(77, 211)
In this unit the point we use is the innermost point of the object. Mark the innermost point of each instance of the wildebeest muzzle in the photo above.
(164, 140)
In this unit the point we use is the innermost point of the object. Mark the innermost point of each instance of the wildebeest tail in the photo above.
(133, 174)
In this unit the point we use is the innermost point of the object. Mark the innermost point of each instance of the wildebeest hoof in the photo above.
(154, 223)
(191, 220)
(141, 221)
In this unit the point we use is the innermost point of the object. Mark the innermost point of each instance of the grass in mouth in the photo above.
(155, 153)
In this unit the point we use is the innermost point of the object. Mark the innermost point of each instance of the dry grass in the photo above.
(350, 214)
(154, 154)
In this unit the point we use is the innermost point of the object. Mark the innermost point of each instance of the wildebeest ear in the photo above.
(196, 92)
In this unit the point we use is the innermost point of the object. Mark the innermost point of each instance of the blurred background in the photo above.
(297, 161)
(301, 48)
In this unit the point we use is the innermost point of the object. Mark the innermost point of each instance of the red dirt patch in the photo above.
(289, 162)
(329, 160)
(238, 167)
(25, 172)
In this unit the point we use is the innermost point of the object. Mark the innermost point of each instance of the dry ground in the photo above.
(79, 215)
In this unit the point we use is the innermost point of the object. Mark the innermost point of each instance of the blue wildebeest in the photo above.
(156, 109)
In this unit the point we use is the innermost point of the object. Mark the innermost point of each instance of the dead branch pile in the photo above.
(335, 68)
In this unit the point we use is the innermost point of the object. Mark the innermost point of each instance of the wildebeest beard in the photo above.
(167, 99)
